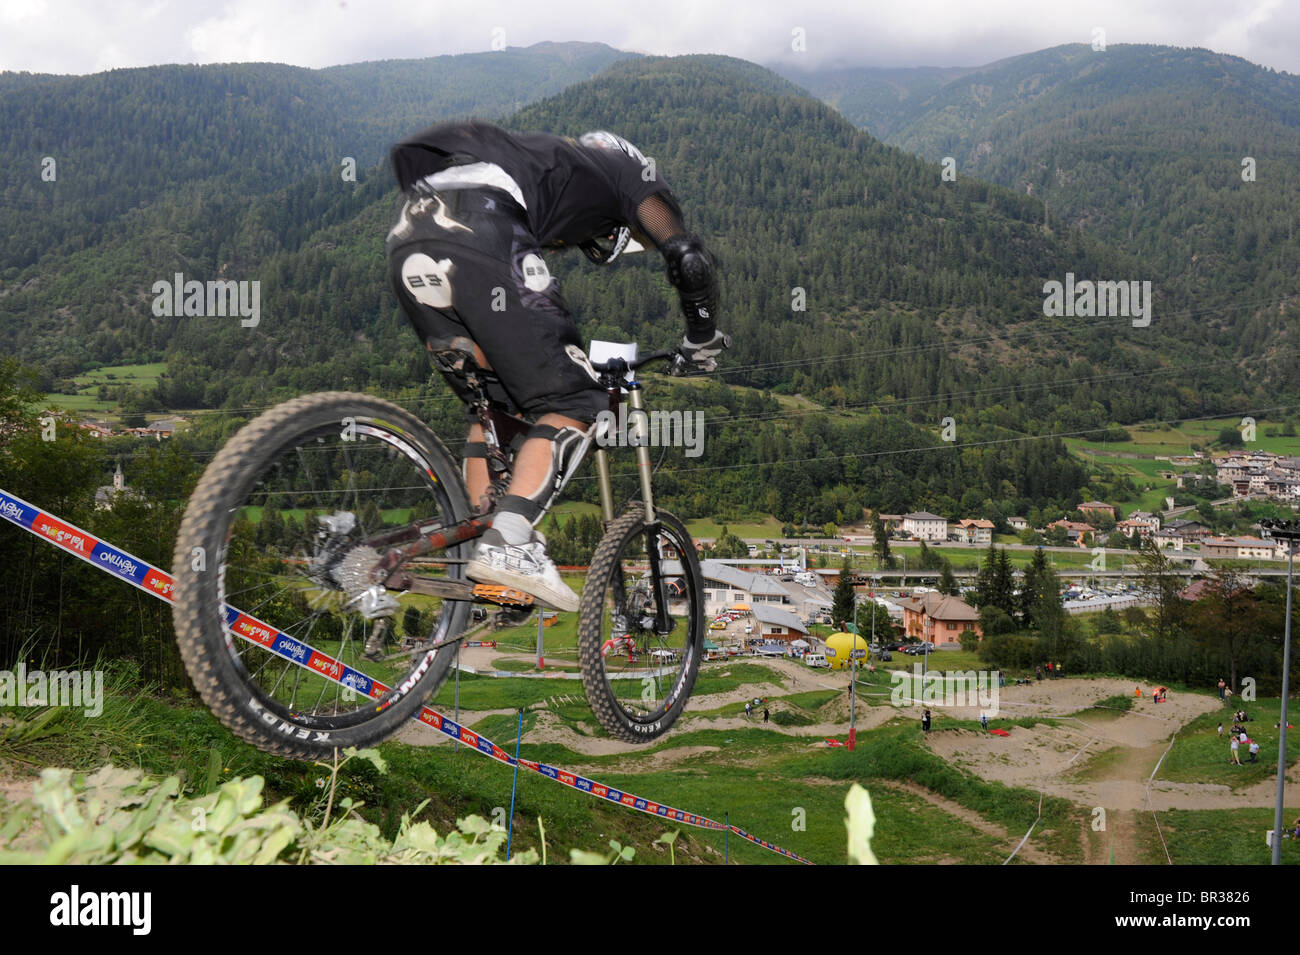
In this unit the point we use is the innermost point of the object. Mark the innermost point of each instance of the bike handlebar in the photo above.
(617, 366)
(622, 364)
(680, 362)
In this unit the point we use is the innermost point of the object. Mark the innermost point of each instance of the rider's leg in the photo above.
(492, 287)
(476, 469)
(534, 468)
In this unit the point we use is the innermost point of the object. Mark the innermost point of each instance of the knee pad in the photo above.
(568, 448)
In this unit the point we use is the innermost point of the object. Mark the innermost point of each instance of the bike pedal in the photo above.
(497, 594)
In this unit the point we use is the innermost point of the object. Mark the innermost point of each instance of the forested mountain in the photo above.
(851, 273)
(904, 309)
(1141, 146)
(877, 99)
(130, 142)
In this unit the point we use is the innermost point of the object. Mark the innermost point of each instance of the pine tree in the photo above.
(1005, 584)
(947, 581)
(842, 601)
(1040, 597)
(880, 537)
(1157, 578)
(985, 583)
(1031, 586)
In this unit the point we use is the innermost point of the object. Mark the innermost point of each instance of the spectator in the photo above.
(1254, 751)
(1002, 678)
(1058, 669)
(1049, 669)
(984, 721)
(1235, 758)
(1038, 673)
(766, 715)
(925, 721)
(1222, 686)
(1220, 731)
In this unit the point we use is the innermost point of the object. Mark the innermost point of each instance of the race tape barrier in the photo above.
(151, 580)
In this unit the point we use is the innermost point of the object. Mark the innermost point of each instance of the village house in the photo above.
(1167, 538)
(1018, 523)
(939, 618)
(892, 522)
(1282, 484)
(95, 430)
(1075, 531)
(926, 526)
(1097, 509)
(1191, 532)
(726, 585)
(1141, 523)
(1239, 548)
(775, 624)
(974, 531)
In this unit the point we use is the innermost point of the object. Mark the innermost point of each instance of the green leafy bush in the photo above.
(119, 816)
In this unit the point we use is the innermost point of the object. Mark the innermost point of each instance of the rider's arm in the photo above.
(690, 266)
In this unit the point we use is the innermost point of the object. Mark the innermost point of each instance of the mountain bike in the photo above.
(331, 519)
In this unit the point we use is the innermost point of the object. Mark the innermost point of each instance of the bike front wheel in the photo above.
(272, 567)
(641, 625)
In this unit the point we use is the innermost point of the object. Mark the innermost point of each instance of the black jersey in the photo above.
(572, 192)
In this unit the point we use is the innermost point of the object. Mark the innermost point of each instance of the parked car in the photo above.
(717, 625)
(884, 655)
(816, 660)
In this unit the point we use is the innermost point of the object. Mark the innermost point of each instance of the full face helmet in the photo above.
(605, 249)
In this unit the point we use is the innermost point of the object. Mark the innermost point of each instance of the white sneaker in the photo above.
(523, 566)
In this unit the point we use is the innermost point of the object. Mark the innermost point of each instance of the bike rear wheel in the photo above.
(641, 625)
(271, 564)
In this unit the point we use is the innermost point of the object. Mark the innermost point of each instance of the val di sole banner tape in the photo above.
(157, 583)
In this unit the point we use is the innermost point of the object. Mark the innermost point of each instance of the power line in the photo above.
(991, 390)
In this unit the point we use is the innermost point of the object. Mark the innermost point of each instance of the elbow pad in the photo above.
(690, 270)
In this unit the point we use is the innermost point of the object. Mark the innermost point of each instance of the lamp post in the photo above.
(1288, 531)
(853, 677)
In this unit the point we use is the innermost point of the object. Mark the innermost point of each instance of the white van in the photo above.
(816, 660)
(808, 579)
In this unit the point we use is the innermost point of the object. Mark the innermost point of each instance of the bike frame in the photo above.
(501, 432)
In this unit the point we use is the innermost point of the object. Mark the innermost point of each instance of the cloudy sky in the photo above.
(86, 36)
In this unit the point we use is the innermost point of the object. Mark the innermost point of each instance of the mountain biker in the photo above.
(480, 204)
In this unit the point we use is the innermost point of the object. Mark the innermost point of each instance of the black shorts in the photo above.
(464, 264)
